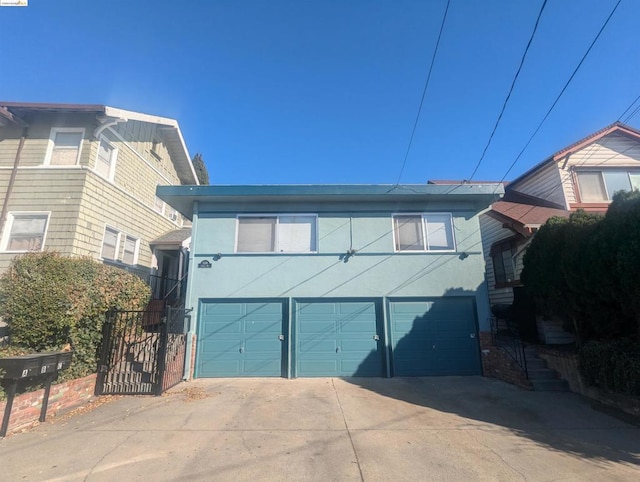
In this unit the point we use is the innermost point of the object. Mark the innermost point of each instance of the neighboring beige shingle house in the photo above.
(584, 175)
(81, 180)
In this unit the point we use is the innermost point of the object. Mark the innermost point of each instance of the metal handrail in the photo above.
(510, 343)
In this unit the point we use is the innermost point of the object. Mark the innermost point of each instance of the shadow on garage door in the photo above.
(434, 336)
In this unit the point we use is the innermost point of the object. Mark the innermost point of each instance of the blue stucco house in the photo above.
(336, 280)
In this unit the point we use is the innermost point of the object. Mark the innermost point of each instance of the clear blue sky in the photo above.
(326, 91)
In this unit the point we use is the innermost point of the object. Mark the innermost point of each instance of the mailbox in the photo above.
(35, 364)
(16, 368)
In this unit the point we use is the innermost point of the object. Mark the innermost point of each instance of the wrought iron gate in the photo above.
(143, 352)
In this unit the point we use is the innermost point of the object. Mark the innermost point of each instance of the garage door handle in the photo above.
(281, 337)
(338, 350)
(376, 337)
(241, 349)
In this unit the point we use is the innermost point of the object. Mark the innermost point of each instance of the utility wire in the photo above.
(562, 91)
(628, 109)
(424, 92)
(513, 83)
(545, 195)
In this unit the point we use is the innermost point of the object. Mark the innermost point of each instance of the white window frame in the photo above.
(121, 239)
(52, 142)
(136, 246)
(277, 217)
(628, 170)
(161, 206)
(425, 240)
(112, 160)
(11, 216)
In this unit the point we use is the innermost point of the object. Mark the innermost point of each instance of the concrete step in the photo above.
(541, 373)
(552, 385)
(536, 363)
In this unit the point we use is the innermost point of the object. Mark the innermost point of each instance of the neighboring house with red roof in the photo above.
(584, 175)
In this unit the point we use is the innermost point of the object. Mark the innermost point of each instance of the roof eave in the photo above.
(183, 197)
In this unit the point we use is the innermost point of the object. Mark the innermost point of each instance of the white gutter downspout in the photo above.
(193, 317)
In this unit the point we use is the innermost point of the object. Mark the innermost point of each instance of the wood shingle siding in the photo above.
(81, 202)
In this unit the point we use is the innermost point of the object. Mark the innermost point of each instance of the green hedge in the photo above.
(586, 270)
(613, 365)
(50, 301)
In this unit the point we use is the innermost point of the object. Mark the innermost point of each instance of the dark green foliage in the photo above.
(201, 169)
(585, 269)
(541, 274)
(523, 311)
(49, 301)
(612, 365)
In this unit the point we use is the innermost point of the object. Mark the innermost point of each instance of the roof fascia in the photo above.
(581, 144)
(510, 223)
(166, 122)
(522, 198)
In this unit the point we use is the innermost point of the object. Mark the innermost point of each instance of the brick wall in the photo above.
(63, 397)
(497, 364)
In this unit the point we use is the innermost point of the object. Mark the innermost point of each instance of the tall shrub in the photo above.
(621, 230)
(586, 270)
(49, 301)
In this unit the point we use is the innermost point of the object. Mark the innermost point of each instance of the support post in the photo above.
(11, 393)
(45, 400)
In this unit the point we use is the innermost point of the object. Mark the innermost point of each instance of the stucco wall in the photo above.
(374, 271)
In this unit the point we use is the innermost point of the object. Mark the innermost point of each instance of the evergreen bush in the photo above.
(612, 365)
(50, 301)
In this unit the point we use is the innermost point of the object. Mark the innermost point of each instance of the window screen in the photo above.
(27, 232)
(256, 235)
(66, 146)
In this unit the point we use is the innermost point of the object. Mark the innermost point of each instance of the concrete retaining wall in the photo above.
(566, 364)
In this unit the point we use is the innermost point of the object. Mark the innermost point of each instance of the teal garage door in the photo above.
(240, 339)
(434, 337)
(338, 339)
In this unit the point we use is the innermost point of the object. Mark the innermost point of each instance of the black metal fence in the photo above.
(143, 352)
(508, 339)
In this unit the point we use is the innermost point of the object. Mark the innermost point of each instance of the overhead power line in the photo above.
(628, 109)
(424, 92)
(606, 22)
(513, 83)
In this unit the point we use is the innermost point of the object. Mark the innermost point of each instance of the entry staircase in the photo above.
(543, 378)
(506, 337)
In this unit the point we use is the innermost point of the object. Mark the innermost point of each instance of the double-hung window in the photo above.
(105, 162)
(293, 233)
(423, 232)
(119, 246)
(25, 232)
(600, 186)
(64, 146)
